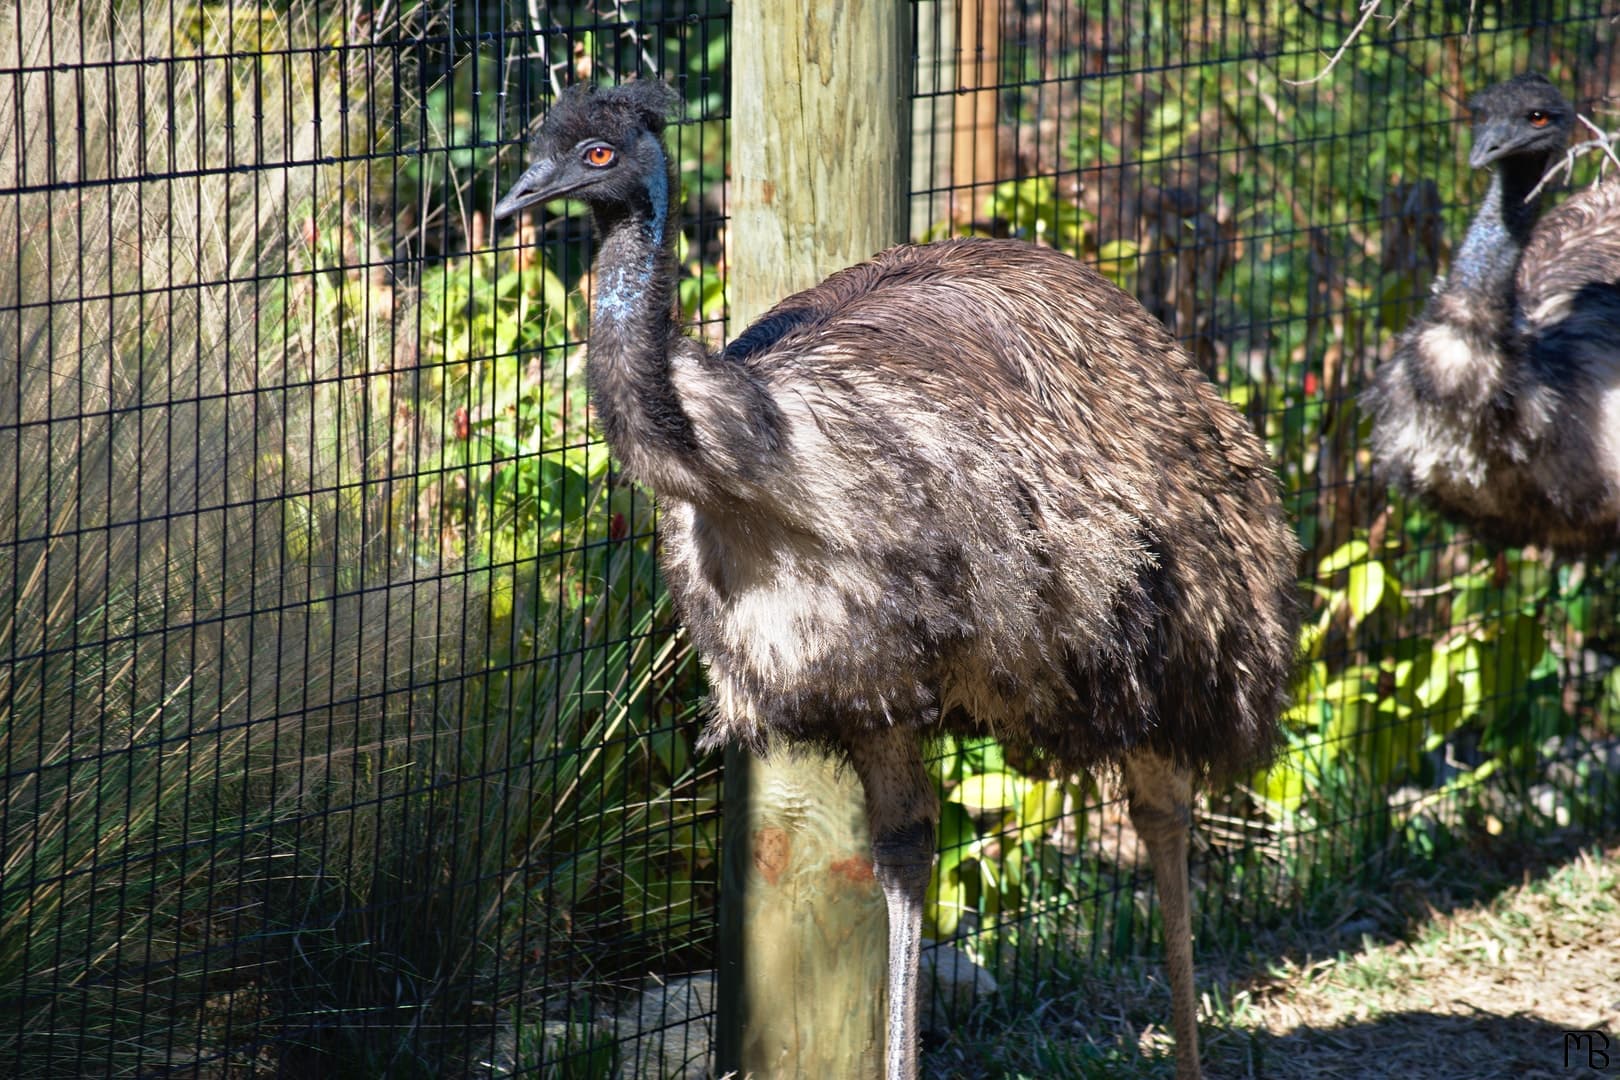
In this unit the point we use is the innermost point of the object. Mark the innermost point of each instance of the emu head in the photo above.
(1523, 117)
(601, 146)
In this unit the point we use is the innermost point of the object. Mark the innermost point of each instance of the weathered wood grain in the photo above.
(819, 145)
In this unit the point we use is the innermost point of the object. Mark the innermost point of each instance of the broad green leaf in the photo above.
(1351, 720)
(1283, 785)
(1342, 557)
(1313, 634)
(1466, 666)
(1520, 643)
(1352, 684)
(1116, 260)
(956, 832)
(1433, 676)
(983, 755)
(950, 900)
(1041, 809)
(990, 791)
(1365, 589)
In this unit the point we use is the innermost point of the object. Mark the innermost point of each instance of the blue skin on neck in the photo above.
(1487, 257)
(622, 285)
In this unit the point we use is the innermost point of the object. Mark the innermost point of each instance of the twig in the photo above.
(1369, 8)
(1601, 140)
(630, 35)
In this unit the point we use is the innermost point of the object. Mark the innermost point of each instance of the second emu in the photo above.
(965, 487)
(1501, 403)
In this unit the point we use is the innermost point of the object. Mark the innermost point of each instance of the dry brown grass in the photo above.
(203, 630)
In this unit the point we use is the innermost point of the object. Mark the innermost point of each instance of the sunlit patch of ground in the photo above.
(1415, 980)
(1486, 990)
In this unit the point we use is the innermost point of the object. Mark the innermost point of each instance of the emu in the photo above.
(1501, 404)
(964, 487)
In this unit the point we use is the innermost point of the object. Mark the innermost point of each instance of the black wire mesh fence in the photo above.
(1285, 228)
(346, 730)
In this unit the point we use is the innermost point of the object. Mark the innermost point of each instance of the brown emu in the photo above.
(1501, 404)
(965, 487)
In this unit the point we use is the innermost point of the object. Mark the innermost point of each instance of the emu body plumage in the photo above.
(1501, 403)
(964, 487)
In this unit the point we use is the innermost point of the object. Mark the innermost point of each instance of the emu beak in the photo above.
(532, 187)
(1491, 140)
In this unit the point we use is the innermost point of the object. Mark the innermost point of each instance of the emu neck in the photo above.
(1488, 258)
(634, 244)
(633, 327)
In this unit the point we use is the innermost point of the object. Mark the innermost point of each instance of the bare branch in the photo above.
(1369, 8)
(1606, 138)
(1601, 140)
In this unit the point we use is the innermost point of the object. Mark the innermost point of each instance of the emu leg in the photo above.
(1160, 799)
(902, 810)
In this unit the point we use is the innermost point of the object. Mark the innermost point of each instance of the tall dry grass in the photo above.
(212, 659)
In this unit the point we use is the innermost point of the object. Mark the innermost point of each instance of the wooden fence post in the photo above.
(819, 151)
(973, 136)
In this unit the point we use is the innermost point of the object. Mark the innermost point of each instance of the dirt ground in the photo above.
(1464, 974)
(1487, 990)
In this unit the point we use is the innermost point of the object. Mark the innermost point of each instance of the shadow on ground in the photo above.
(1412, 1045)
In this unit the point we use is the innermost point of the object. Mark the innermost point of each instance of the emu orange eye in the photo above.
(1539, 119)
(599, 156)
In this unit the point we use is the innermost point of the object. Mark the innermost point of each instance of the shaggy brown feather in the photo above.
(1078, 545)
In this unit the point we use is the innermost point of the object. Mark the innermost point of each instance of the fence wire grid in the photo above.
(345, 728)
